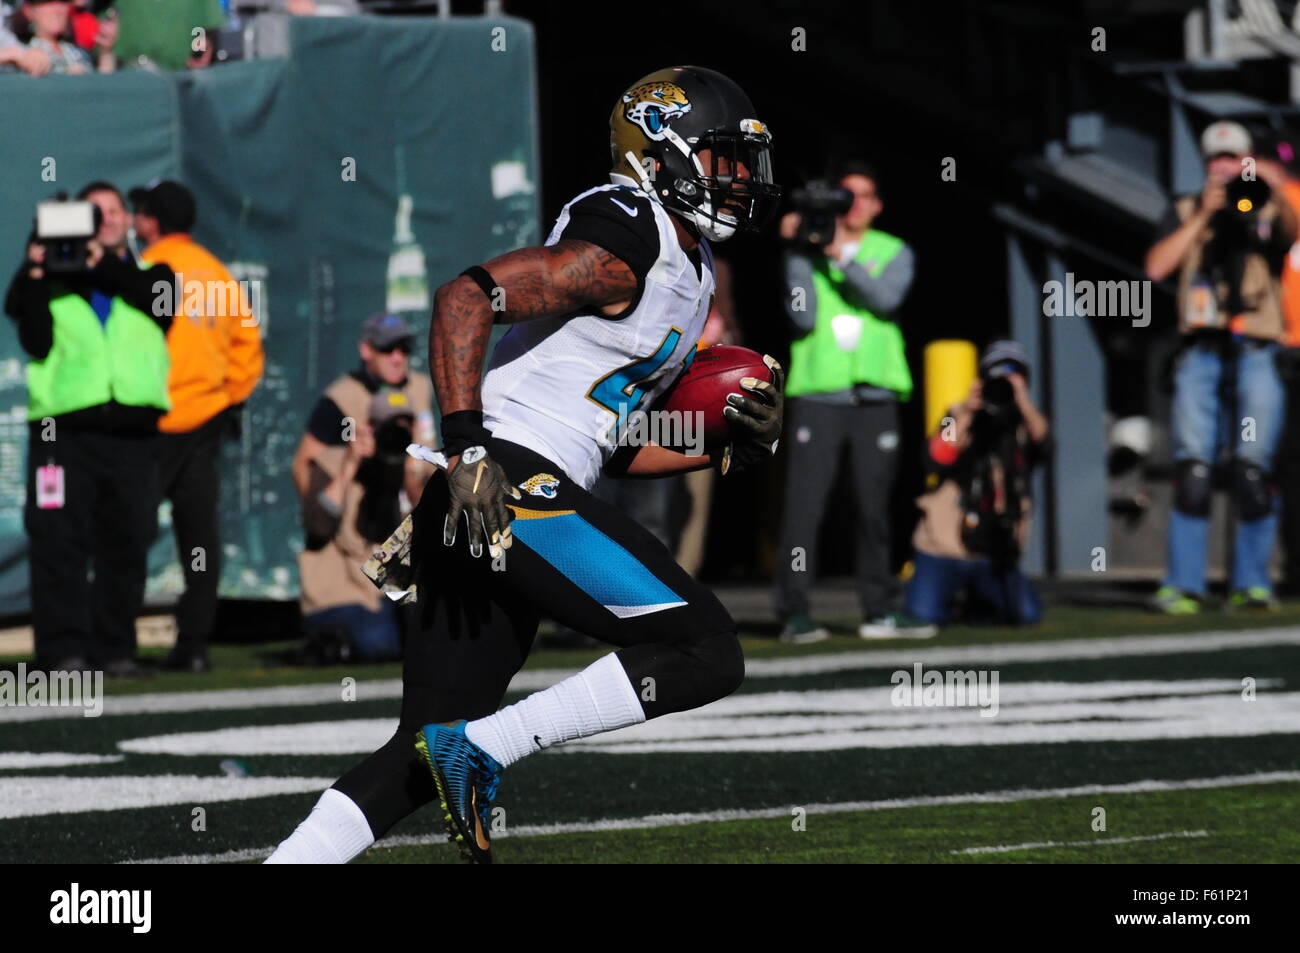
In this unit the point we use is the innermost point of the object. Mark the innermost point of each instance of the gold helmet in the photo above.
(690, 138)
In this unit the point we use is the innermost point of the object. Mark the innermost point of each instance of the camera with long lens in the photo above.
(1237, 235)
(64, 229)
(819, 204)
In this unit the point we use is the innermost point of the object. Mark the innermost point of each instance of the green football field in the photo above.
(1104, 736)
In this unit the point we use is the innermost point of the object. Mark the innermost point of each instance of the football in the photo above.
(715, 373)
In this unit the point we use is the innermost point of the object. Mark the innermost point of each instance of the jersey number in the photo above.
(621, 391)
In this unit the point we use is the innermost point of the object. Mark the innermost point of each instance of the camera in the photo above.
(1247, 196)
(1236, 235)
(999, 411)
(65, 228)
(819, 204)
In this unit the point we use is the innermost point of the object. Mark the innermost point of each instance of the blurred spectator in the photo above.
(1287, 461)
(848, 371)
(1228, 251)
(95, 34)
(307, 8)
(15, 56)
(97, 385)
(356, 482)
(160, 34)
(48, 22)
(216, 361)
(975, 521)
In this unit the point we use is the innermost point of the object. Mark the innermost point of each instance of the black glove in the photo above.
(479, 487)
(756, 421)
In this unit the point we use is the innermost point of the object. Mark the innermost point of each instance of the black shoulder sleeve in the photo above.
(620, 221)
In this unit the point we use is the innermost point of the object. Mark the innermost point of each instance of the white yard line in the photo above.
(933, 657)
(679, 820)
(949, 656)
(1101, 841)
(20, 760)
(46, 794)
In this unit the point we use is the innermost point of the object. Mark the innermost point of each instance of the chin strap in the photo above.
(647, 184)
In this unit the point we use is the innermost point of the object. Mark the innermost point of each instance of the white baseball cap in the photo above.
(1225, 136)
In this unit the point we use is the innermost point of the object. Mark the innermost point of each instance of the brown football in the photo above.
(715, 373)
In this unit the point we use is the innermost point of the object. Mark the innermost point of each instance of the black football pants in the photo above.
(576, 560)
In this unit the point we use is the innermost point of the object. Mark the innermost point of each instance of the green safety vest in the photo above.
(124, 359)
(818, 365)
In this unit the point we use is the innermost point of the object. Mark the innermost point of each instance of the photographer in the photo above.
(976, 519)
(97, 386)
(1228, 247)
(848, 371)
(356, 483)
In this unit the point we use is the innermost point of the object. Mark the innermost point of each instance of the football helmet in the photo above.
(689, 137)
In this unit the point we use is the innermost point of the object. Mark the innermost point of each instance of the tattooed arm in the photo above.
(542, 282)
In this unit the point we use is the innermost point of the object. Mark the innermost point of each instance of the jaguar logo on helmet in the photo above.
(652, 106)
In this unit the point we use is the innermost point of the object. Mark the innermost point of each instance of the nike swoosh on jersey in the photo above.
(630, 211)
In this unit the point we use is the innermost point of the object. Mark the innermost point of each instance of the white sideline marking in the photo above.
(961, 656)
(1033, 845)
(938, 656)
(1043, 712)
(843, 807)
(18, 760)
(49, 794)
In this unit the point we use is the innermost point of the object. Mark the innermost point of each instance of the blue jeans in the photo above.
(1009, 597)
(374, 635)
(1200, 427)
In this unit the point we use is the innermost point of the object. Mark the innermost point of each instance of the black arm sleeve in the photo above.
(135, 285)
(28, 303)
(620, 221)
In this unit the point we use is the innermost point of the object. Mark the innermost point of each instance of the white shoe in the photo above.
(801, 630)
(896, 626)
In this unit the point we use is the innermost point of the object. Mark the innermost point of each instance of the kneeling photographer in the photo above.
(356, 482)
(95, 335)
(1228, 246)
(976, 519)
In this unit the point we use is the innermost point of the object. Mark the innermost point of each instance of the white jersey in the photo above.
(558, 385)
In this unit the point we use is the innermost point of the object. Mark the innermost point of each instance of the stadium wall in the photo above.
(299, 166)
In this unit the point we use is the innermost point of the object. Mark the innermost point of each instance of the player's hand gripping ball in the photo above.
(756, 420)
(717, 378)
(478, 489)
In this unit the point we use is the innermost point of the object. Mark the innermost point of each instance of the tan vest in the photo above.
(331, 576)
(1260, 289)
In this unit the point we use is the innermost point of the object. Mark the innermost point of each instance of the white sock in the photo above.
(335, 831)
(599, 698)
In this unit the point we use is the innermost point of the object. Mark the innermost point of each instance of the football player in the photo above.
(604, 318)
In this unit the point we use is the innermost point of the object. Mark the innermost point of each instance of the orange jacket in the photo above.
(215, 346)
(1291, 275)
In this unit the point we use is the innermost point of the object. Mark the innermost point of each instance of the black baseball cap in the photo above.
(169, 202)
(1005, 356)
(385, 331)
